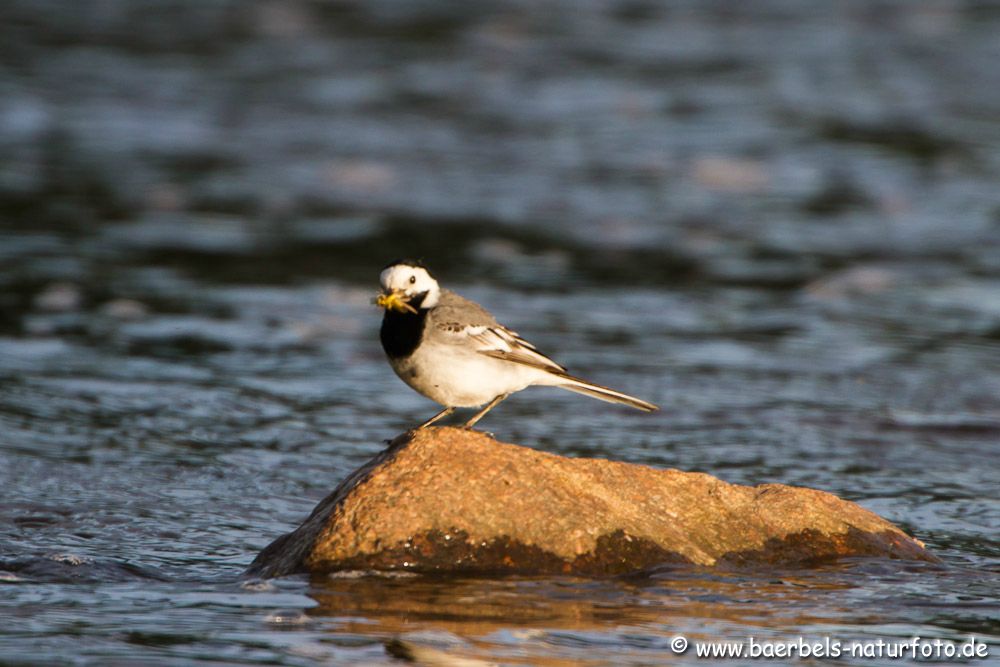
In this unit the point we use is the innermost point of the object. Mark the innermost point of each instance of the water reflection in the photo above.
(538, 619)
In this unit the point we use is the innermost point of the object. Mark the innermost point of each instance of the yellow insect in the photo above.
(392, 301)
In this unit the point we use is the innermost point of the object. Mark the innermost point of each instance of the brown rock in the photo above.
(450, 500)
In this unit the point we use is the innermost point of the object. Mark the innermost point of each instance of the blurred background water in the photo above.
(778, 220)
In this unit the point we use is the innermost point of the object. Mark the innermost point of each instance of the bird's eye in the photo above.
(413, 279)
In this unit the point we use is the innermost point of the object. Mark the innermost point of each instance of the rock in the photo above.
(451, 500)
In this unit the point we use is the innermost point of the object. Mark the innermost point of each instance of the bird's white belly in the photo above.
(456, 377)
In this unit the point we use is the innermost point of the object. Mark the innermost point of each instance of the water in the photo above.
(778, 222)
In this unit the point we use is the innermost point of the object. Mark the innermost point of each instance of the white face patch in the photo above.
(410, 281)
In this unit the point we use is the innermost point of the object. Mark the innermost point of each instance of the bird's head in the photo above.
(406, 287)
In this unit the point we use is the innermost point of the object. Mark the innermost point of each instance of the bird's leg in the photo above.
(441, 415)
(482, 413)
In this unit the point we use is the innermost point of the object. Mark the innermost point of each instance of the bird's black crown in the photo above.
(415, 263)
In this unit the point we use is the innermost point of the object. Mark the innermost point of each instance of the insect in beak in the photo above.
(394, 301)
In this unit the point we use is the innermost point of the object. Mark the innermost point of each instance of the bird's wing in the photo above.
(463, 322)
(499, 342)
(502, 343)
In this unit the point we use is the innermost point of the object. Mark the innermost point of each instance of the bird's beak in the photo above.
(394, 300)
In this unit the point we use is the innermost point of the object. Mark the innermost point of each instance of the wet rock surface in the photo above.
(457, 501)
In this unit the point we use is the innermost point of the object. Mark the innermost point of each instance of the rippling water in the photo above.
(781, 223)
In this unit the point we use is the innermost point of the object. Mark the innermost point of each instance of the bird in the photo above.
(453, 351)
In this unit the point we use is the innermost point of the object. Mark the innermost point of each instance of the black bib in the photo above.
(401, 332)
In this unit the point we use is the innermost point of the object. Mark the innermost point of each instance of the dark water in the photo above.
(781, 223)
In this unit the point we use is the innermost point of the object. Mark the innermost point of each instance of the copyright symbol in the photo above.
(678, 644)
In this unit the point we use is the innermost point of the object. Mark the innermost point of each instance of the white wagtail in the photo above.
(454, 352)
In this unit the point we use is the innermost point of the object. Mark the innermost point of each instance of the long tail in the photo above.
(581, 386)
